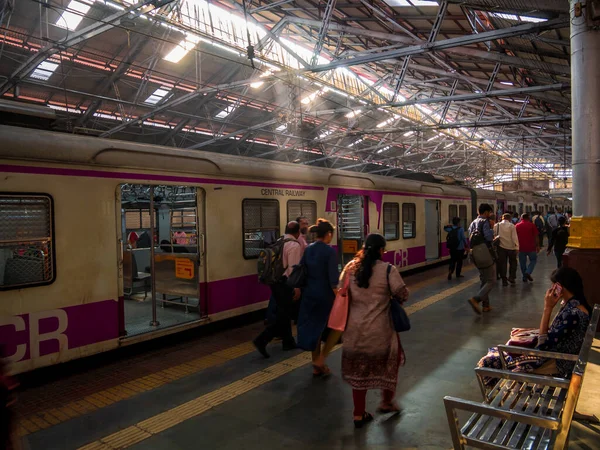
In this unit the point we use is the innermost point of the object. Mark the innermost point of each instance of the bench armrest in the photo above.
(453, 404)
(533, 352)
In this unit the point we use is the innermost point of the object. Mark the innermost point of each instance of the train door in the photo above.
(162, 247)
(432, 229)
(351, 226)
(501, 208)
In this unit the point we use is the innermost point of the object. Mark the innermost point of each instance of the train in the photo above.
(105, 243)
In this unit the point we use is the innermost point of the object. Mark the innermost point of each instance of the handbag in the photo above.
(338, 317)
(298, 277)
(399, 317)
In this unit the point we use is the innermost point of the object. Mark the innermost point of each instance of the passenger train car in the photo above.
(106, 243)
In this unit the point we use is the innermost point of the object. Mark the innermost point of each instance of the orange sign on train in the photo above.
(184, 268)
(350, 246)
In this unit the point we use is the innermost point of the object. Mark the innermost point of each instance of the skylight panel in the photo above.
(157, 95)
(44, 71)
(412, 3)
(73, 15)
(182, 49)
(518, 18)
(224, 113)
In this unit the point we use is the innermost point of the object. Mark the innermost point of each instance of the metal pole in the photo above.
(154, 322)
(585, 93)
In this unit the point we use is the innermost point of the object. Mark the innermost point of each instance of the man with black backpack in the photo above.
(455, 243)
(481, 237)
(540, 224)
(274, 266)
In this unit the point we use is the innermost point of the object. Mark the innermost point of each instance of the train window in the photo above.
(260, 222)
(452, 212)
(26, 241)
(303, 208)
(462, 213)
(391, 221)
(409, 220)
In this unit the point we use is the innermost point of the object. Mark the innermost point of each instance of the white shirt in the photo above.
(292, 254)
(508, 235)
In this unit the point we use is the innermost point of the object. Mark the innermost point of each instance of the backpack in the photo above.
(270, 263)
(477, 237)
(562, 235)
(539, 223)
(452, 240)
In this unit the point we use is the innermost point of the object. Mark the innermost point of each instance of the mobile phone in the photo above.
(557, 289)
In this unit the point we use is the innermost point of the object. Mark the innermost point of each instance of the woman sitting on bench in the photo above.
(564, 335)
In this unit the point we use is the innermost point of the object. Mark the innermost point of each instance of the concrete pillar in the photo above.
(585, 97)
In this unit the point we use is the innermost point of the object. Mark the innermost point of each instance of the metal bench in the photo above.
(522, 410)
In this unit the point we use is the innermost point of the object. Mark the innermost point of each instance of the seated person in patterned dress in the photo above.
(564, 335)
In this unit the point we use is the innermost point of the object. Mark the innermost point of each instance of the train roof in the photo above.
(52, 147)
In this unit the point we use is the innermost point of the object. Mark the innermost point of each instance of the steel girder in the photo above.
(427, 47)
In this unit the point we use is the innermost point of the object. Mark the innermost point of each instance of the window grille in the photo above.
(260, 222)
(391, 221)
(409, 220)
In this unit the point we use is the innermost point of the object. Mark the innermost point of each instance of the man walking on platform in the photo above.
(284, 295)
(508, 247)
(559, 240)
(540, 224)
(528, 246)
(456, 242)
(481, 237)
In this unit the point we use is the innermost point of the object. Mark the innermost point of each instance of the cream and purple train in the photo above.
(78, 272)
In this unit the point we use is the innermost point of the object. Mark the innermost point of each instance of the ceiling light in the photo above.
(432, 138)
(507, 83)
(356, 142)
(384, 149)
(408, 133)
(44, 70)
(281, 127)
(73, 15)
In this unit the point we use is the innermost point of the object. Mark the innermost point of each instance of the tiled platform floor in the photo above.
(278, 405)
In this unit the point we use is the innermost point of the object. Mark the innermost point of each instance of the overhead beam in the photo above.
(75, 38)
(428, 47)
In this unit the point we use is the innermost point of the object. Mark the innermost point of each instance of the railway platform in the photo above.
(213, 390)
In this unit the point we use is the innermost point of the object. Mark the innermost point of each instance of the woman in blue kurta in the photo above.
(322, 273)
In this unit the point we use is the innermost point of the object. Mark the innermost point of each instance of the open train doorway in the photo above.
(432, 229)
(162, 248)
(351, 226)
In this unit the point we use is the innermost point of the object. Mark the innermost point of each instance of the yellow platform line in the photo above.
(193, 408)
(48, 418)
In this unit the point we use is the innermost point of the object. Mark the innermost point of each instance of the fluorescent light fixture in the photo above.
(449, 145)
(182, 49)
(157, 95)
(358, 141)
(507, 83)
(432, 138)
(408, 133)
(352, 114)
(73, 15)
(281, 127)
(325, 134)
(381, 150)
(224, 113)
(44, 70)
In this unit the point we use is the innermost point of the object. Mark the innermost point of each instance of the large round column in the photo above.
(585, 98)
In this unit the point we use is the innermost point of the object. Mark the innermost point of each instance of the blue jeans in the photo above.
(527, 269)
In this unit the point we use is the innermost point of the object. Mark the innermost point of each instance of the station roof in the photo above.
(478, 90)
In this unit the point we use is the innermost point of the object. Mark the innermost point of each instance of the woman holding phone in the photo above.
(564, 334)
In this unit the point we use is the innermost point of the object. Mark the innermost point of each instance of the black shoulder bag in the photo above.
(399, 316)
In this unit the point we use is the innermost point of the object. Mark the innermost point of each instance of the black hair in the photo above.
(292, 228)
(321, 228)
(455, 220)
(299, 218)
(562, 220)
(570, 279)
(485, 207)
(516, 214)
(367, 258)
(525, 216)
